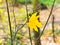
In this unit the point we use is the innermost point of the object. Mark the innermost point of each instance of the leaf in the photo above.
(8, 42)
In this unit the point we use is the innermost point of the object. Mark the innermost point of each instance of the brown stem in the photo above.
(49, 16)
(28, 21)
(9, 23)
(37, 35)
(53, 28)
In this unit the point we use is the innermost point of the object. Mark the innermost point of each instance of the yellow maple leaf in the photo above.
(34, 23)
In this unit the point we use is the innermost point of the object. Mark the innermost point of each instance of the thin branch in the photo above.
(49, 16)
(15, 24)
(19, 29)
(28, 20)
(9, 22)
(14, 15)
(53, 28)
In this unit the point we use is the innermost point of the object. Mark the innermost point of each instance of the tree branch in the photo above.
(9, 23)
(48, 16)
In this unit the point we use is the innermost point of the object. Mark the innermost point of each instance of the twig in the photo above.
(14, 16)
(53, 28)
(28, 20)
(19, 29)
(9, 22)
(49, 16)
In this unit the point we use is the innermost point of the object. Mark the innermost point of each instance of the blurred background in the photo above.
(18, 17)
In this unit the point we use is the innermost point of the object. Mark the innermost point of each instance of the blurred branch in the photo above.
(14, 14)
(19, 29)
(53, 28)
(28, 20)
(9, 22)
(48, 16)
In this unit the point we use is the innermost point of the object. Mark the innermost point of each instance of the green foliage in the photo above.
(57, 32)
(22, 1)
(16, 42)
(8, 42)
(48, 2)
(19, 35)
